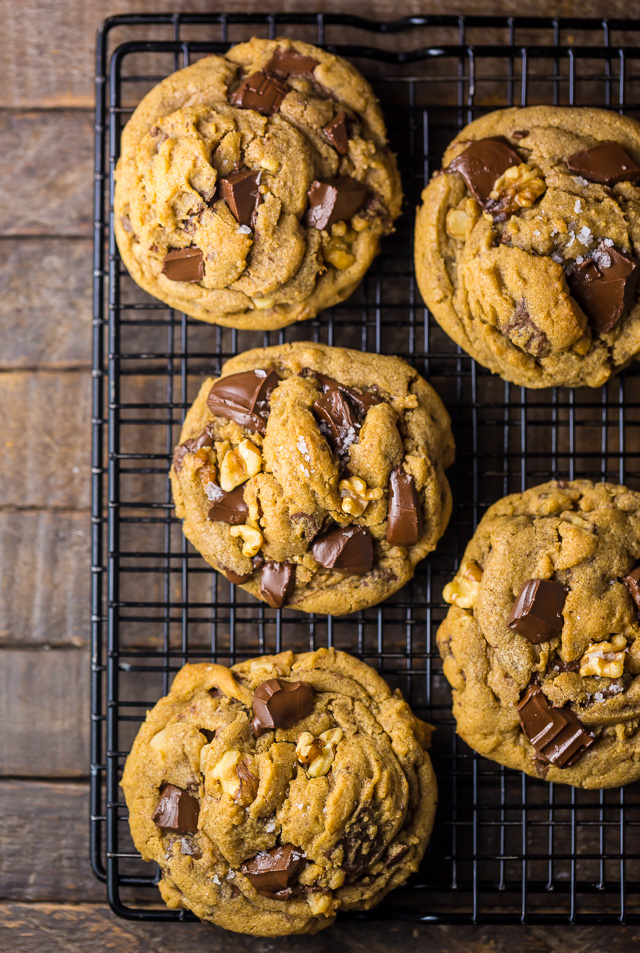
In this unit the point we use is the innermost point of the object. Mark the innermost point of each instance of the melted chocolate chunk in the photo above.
(632, 582)
(183, 264)
(607, 163)
(272, 872)
(230, 508)
(240, 192)
(238, 579)
(261, 92)
(290, 63)
(336, 200)
(205, 439)
(361, 845)
(482, 163)
(537, 612)
(405, 512)
(244, 398)
(176, 811)
(362, 399)
(280, 704)
(395, 854)
(556, 733)
(336, 134)
(335, 411)
(523, 333)
(277, 582)
(605, 292)
(347, 549)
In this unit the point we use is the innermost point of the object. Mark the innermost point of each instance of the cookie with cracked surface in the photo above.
(253, 188)
(314, 476)
(277, 792)
(527, 244)
(541, 644)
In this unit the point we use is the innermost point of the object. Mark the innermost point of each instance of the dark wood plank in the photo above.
(44, 702)
(46, 174)
(44, 578)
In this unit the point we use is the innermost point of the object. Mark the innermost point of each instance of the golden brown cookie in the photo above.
(253, 188)
(313, 476)
(527, 244)
(280, 791)
(541, 644)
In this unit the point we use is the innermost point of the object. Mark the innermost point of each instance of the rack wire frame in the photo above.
(506, 848)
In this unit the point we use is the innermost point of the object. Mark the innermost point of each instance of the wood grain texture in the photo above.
(44, 578)
(44, 713)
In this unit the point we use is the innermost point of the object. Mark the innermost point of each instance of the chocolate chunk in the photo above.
(347, 549)
(184, 264)
(395, 854)
(607, 163)
(176, 811)
(362, 844)
(238, 579)
(405, 512)
(205, 439)
(335, 411)
(334, 201)
(261, 92)
(275, 870)
(537, 611)
(556, 733)
(336, 133)
(290, 63)
(482, 163)
(523, 333)
(240, 192)
(280, 704)
(632, 582)
(520, 134)
(277, 582)
(244, 398)
(209, 733)
(230, 508)
(362, 399)
(605, 286)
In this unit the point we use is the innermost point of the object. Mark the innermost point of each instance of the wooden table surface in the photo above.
(48, 898)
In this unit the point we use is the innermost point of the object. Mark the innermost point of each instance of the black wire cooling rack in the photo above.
(506, 848)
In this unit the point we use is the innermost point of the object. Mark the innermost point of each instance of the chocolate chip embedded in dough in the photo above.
(244, 398)
(205, 439)
(275, 870)
(482, 163)
(280, 704)
(183, 264)
(230, 508)
(632, 582)
(290, 63)
(238, 579)
(260, 92)
(606, 163)
(336, 200)
(405, 513)
(556, 733)
(277, 582)
(361, 399)
(347, 549)
(335, 132)
(537, 612)
(335, 411)
(176, 811)
(240, 191)
(605, 286)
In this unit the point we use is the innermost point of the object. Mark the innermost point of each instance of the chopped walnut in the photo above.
(237, 780)
(464, 588)
(356, 495)
(252, 539)
(239, 465)
(317, 754)
(456, 224)
(518, 187)
(605, 659)
(337, 253)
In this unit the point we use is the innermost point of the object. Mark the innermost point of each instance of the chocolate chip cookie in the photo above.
(541, 644)
(253, 188)
(277, 792)
(313, 476)
(527, 244)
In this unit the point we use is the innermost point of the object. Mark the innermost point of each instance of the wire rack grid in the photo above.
(506, 848)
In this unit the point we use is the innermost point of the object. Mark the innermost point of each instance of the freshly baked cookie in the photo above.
(527, 244)
(541, 644)
(277, 792)
(253, 188)
(313, 476)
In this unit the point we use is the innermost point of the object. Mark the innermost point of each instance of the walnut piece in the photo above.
(337, 253)
(456, 224)
(236, 777)
(518, 187)
(317, 754)
(356, 495)
(239, 465)
(252, 539)
(464, 588)
(605, 659)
